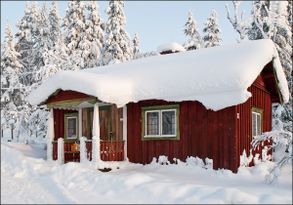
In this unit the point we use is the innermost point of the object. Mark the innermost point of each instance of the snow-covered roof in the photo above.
(218, 77)
(174, 47)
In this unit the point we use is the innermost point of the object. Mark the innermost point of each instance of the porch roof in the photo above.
(218, 77)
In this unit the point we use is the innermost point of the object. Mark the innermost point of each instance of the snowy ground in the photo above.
(27, 178)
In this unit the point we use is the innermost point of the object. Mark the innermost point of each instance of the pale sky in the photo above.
(156, 22)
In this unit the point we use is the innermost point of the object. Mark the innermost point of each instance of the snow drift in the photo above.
(218, 77)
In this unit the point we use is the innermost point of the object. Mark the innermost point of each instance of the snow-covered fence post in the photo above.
(80, 122)
(83, 151)
(50, 135)
(60, 157)
(96, 154)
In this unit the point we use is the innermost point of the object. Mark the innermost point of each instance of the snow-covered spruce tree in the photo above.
(11, 88)
(74, 32)
(25, 45)
(117, 46)
(282, 37)
(34, 40)
(43, 41)
(211, 31)
(136, 43)
(54, 57)
(191, 31)
(239, 24)
(54, 23)
(92, 43)
(270, 19)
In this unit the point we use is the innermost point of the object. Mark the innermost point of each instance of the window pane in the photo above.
(152, 123)
(71, 127)
(253, 124)
(168, 122)
(258, 124)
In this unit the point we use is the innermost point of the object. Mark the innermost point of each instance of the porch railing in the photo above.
(109, 150)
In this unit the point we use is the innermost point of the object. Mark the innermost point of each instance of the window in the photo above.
(160, 122)
(71, 126)
(152, 123)
(256, 121)
(168, 122)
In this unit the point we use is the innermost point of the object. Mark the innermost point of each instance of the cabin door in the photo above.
(111, 124)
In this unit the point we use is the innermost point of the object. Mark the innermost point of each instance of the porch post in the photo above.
(96, 154)
(79, 122)
(125, 131)
(50, 135)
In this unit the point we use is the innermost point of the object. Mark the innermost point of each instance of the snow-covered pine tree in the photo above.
(282, 37)
(54, 23)
(74, 32)
(92, 43)
(33, 42)
(136, 43)
(211, 31)
(11, 88)
(43, 41)
(271, 19)
(54, 57)
(26, 42)
(117, 46)
(191, 31)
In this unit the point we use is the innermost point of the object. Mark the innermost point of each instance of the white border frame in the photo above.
(76, 118)
(161, 123)
(257, 114)
(145, 123)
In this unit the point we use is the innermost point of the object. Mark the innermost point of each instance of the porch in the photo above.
(109, 151)
(80, 115)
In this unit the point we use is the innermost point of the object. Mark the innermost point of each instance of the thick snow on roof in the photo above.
(217, 77)
(170, 47)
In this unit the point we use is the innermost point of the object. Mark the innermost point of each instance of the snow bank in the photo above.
(36, 181)
(174, 47)
(218, 77)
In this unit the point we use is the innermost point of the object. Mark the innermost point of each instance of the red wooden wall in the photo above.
(59, 122)
(261, 98)
(203, 133)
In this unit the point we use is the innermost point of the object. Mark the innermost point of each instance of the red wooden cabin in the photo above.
(149, 127)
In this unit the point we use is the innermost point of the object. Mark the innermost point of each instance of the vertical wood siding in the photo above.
(59, 122)
(261, 98)
(203, 133)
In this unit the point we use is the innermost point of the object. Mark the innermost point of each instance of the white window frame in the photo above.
(256, 124)
(146, 120)
(76, 118)
(161, 122)
(160, 135)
